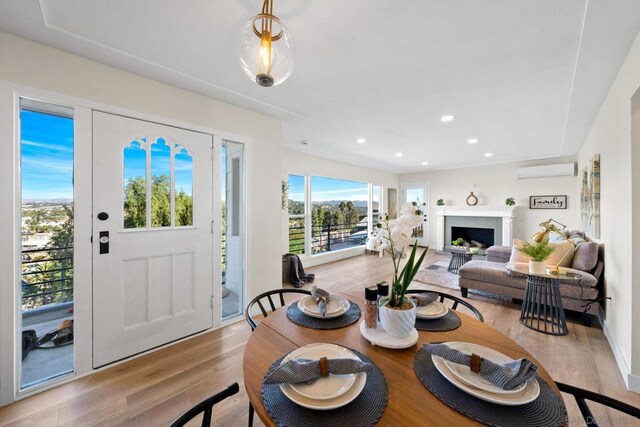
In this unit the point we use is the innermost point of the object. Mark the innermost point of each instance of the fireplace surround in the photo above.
(497, 218)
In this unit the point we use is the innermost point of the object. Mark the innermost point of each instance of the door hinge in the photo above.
(212, 296)
(213, 153)
(212, 229)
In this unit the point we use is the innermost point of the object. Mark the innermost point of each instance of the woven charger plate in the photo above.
(448, 322)
(547, 410)
(364, 410)
(298, 317)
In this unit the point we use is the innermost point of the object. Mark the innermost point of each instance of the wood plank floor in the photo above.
(154, 389)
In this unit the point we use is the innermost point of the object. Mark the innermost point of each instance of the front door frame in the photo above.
(10, 234)
(426, 227)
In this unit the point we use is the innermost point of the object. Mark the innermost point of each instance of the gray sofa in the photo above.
(491, 276)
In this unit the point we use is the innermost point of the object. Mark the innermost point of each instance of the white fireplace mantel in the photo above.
(504, 212)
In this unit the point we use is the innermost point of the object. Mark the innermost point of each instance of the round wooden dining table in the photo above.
(409, 403)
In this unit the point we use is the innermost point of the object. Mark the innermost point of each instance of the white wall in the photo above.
(611, 137)
(34, 65)
(304, 164)
(493, 185)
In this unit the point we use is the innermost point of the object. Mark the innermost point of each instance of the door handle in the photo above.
(103, 216)
(104, 242)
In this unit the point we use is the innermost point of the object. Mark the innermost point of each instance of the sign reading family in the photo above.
(548, 202)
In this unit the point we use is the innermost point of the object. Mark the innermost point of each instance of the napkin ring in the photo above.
(324, 367)
(475, 363)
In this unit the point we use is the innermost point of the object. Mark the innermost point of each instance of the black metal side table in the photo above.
(458, 259)
(542, 308)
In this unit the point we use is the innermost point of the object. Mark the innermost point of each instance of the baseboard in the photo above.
(632, 382)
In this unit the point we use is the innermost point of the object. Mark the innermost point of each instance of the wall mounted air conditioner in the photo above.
(547, 171)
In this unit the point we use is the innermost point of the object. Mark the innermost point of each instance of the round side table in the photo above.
(542, 308)
(458, 259)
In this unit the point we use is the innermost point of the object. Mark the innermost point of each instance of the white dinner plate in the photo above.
(326, 404)
(530, 392)
(324, 388)
(336, 307)
(464, 373)
(433, 310)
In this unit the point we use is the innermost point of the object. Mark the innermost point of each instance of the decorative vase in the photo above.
(537, 267)
(397, 323)
(472, 200)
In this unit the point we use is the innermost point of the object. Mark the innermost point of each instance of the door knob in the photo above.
(104, 242)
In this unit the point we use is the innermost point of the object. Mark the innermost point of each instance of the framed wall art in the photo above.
(548, 202)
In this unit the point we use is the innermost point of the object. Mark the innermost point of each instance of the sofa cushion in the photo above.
(586, 256)
(561, 248)
(495, 273)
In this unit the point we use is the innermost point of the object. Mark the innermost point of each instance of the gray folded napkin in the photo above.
(506, 376)
(322, 298)
(298, 371)
(423, 299)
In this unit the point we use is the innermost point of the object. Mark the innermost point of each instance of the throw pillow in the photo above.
(586, 256)
(560, 249)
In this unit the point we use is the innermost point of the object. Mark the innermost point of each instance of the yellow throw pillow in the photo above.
(560, 249)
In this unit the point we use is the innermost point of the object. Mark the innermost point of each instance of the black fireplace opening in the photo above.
(481, 235)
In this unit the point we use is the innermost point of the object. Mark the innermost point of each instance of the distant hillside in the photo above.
(335, 203)
(47, 202)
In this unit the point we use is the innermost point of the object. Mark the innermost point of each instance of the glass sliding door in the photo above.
(46, 152)
(233, 175)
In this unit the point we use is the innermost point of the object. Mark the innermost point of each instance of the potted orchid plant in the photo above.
(397, 313)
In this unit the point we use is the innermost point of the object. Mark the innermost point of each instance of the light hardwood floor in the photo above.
(154, 389)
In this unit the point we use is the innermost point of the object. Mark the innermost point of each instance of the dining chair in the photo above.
(206, 407)
(267, 297)
(261, 301)
(443, 296)
(581, 396)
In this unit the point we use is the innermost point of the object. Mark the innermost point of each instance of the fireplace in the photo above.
(485, 236)
(498, 219)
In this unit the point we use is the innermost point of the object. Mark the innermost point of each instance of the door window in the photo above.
(158, 184)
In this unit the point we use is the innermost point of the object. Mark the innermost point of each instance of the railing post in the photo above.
(328, 237)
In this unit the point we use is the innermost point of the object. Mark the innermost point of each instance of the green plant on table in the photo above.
(510, 201)
(458, 242)
(537, 251)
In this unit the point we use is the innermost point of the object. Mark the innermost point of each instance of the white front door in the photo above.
(153, 246)
(419, 193)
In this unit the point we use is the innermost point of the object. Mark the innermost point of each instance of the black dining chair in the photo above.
(455, 300)
(268, 297)
(581, 396)
(206, 407)
(261, 301)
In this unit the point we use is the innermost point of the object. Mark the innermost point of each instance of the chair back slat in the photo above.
(261, 301)
(581, 396)
(206, 407)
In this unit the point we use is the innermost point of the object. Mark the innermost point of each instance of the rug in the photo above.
(437, 274)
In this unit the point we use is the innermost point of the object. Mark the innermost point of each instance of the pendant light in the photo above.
(266, 48)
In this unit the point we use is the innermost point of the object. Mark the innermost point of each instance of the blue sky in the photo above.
(323, 188)
(46, 156)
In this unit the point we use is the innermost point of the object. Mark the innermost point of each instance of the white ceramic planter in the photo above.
(397, 323)
(537, 267)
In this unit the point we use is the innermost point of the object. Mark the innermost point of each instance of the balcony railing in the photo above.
(47, 276)
(326, 238)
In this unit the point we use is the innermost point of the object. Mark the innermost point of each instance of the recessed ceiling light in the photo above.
(447, 118)
(473, 141)
(398, 154)
(304, 142)
(488, 154)
(361, 140)
(425, 163)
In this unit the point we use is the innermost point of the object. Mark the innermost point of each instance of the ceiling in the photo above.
(526, 77)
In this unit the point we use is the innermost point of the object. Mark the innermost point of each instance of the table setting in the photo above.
(327, 382)
(321, 310)
(496, 389)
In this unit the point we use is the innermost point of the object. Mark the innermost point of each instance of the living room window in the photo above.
(328, 214)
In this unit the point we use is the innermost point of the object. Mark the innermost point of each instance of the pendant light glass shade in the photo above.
(266, 50)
